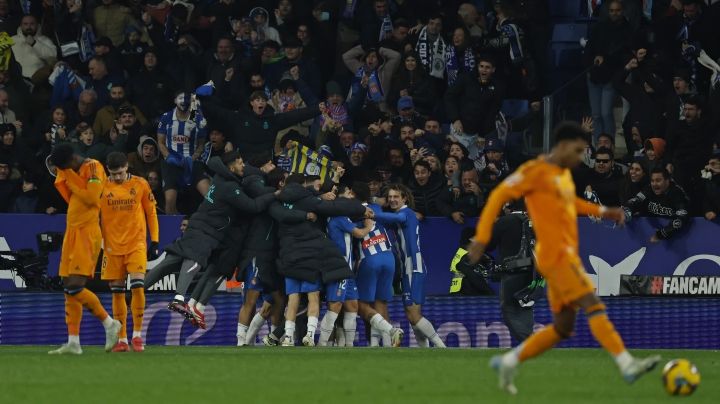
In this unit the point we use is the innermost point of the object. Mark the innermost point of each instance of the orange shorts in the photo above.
(567, 281)
(80, 250)
(116, 267)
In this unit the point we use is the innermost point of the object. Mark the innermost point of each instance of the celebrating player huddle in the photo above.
(288, 238)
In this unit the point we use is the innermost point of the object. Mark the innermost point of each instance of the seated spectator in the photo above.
(711, 177)
(32, 50)
(412, 81)
(373, 70)
(426, 188)
(635, 180)
(466, 203)
(85, 110)
(496, 168)
(145, 159)
(606, 178)
(100, 80)
(7, 115)
(663, 198)
(27, 200)
(19, 99)
(9, 188)
(108, 115)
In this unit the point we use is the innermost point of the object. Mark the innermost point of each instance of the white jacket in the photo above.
(32, 58)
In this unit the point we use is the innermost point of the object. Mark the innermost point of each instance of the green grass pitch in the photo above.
(303, 375)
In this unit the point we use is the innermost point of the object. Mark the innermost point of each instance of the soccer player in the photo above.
(127, 212)
(343, 294)
(377, 266)
(549, 191)
(80, 182)
(400, 200)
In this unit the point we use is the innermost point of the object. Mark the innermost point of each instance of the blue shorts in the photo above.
(375, 277)
(341, 291)
(252, 282)
(293, 286)
(413, 289)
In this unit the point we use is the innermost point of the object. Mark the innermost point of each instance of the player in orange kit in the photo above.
(549, 191)
(128, 211)
(80, 182)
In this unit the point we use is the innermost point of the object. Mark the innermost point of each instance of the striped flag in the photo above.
(309, 162)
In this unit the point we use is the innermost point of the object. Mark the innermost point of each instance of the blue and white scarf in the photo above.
(374, 90)
(386, 28)
(452, 67)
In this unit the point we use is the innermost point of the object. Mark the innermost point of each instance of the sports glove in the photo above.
(153, 251)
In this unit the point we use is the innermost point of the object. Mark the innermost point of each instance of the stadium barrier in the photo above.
(607, 252)
(690, 323)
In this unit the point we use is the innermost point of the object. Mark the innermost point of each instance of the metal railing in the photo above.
(567, 102)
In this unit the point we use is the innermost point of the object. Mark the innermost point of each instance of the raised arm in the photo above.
(352, 57)
(288, 119)
(238, 199)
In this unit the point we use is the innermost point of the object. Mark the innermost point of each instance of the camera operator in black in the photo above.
(470, 280)
(514, 239)
(662, 198)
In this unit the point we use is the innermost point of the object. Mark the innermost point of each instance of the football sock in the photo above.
(326, 327)
(386, 340)
(279, 331)
(192, 302)
(375, 336)
(119, 309)
(73, 314)
(255, 324)
(380, 323)
(290, 329)
(312, 323)
(124, 339)
(339, 336)
(426, 328)
(74, 339)
(603, 330)
(137, 334)
(188, 270)
(200, 307)
(422, 341)
(241, 334)
(536, 344)
(137, 304)
(90, 301)
(349, 327)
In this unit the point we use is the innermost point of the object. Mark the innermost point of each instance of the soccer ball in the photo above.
(680, 377)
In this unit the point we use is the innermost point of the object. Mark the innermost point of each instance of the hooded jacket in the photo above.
(224, 204)
(138, 166)
(306, 253)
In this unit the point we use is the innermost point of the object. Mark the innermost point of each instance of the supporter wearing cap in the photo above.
(308, 71)
(496, 166)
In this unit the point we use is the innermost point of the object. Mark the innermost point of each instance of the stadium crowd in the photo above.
(391, 90)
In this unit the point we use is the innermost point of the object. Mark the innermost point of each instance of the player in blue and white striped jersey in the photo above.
(343, 294)
(181, 137)
(400, 201)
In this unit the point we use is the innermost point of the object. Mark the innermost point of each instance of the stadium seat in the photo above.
(570, 32)
(566, 10)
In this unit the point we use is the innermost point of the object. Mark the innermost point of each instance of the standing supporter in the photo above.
(411, 80)
(636, 179)
(373, 70)
(145, 159)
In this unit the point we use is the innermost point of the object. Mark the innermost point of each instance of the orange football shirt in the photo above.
(82, 192)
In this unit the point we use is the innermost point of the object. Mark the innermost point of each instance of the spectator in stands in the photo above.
(506, 42)
(150, 89)
(285, 99)
(261, 22)
(606, 178)
(19, 99)
(451, 170)
(113, 60)
(407, 115)
(432, 49)
(97, 146)
(636, 179)
(690, 141)
(9, 188)
(257, 83)
(433, 133)
(605, 140)
(467, 203)
(460, 152)
(472, 104)
(308, 70)
(376, 24)
(111, 20)
(155, 181)
(32, 50)
(373, 70)
(654, 152)
(108, 115)
(472, 21)
(100, 80)
(607, 45)
(412, 81)
(54, 132)
(132, 50)
(645, 94)
(85, 110)
(460, 56)
(711, 177)
(399, 164)
(145, 159)
(181, 138)
(426, 188)
(496, 168)
(27, 200)
(675, 100)
(398, 41)
(9, 22)
(663, 198)
(16, 154)
(7, 115)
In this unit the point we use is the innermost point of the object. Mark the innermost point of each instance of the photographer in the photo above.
(514, 238)
(469, 280)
